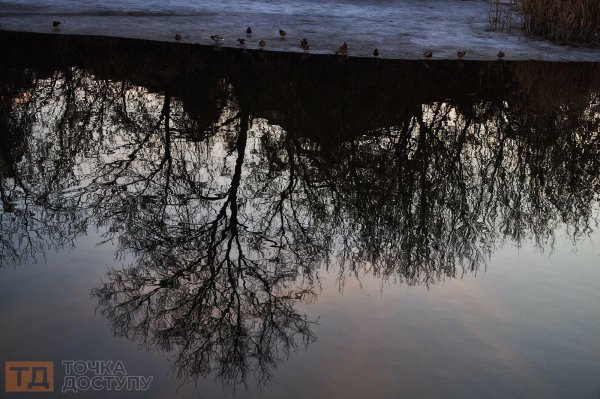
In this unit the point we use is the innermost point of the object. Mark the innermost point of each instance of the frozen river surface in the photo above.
(398, 28)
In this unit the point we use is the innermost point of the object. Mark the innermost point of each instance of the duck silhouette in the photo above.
(461, 54)
(304, 44)
(428, 54)
(248, 31)
(343, 49)
(217, 38)
(282, 34)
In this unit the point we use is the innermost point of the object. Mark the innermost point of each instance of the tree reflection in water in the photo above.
(229, 194)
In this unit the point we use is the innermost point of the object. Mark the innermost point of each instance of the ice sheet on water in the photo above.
(398, 28)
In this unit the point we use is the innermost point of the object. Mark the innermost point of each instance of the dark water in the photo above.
(277, 225)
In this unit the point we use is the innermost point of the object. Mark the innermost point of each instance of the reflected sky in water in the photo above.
(281, 225)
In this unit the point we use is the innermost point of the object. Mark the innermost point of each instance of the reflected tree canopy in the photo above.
(229, 179)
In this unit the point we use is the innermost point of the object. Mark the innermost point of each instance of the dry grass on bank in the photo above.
(563, 20)
(557, 20)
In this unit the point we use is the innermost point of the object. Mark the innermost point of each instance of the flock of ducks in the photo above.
(343, 50)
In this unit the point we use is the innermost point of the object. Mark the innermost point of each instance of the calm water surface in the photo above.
(251, 225)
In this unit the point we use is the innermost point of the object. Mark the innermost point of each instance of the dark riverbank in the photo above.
(338, 96)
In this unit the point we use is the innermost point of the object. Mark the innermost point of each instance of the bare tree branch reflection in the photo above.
(226, 198)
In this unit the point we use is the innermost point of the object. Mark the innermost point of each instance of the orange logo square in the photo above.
(29, 376)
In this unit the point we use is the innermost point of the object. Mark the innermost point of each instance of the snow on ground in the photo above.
(398, 28)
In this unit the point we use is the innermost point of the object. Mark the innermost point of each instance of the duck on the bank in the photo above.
(282, 34)
(304, 45)
(55, 24)
(343, 49)
(376, 53)
(242, 42)
(177, 37)
(261, 43)
(428, 54)
(249, 31)
(461, 54)
(217, 38)
(501, 55)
